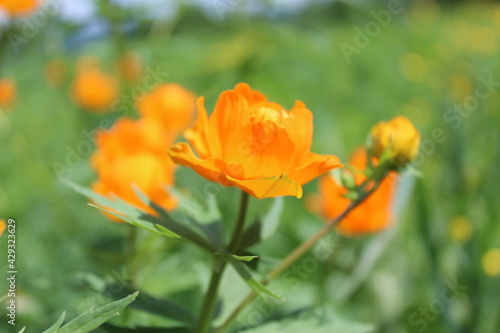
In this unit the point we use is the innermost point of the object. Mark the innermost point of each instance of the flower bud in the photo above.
(398, 137)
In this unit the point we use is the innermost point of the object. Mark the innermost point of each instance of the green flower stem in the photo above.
(218, 266)
(297, 253)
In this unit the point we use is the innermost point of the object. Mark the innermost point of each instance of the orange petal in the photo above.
(198, 134)
(209, 168)
(258, 150)
(300, 127)
(269, 187)
(252, 96)
(230, 113)
(315, 165)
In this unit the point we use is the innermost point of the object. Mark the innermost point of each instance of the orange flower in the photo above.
(253, 144)
(400, 136)
(7, 92)
(171, 104)
(2, 226)
(94, 90)
(129, 67)
(18, 7)
(373, 215)
(133, 152)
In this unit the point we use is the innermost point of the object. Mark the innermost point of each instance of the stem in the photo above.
(295, 255)
(132, 253)
(208, 306)
(240, 223)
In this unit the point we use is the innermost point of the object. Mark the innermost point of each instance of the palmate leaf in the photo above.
(158, 306)
(256, 286)
(164, 224)
(91, 319)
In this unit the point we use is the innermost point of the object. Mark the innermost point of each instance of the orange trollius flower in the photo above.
(18, 7)
(134, 153)
(171, 104)
(253, 144)
(94, 90)
(399, 136)
(7, 92)
(372, 215)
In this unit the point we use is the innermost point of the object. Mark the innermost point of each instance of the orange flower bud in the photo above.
(18, 7)
(171, 104)
(399, 136)
(7, 92)
(371, 215)
(94, 90)
(253, 144)
(133, 153)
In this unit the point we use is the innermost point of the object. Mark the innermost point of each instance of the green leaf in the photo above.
(138, 218)
(140, 224)
(55, 327)
(271, 221)
(92, 319)
(311, 324)
(244, 258)
(256, 286)
(22, 330)
(204, 211)
(158, 306)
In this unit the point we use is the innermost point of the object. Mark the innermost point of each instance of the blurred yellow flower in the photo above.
(491, 262)
(171, 104)
(253, 144)
(399, 136)
(94, 90)
(134, 153)
(413, 67)
(460, 229)
(461, 88)
(18, 7)
(2, 226)
(7, 92)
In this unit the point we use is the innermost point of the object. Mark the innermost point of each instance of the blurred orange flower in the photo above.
(130, 67)
(94, 90)
(400, 136)
(253, 144)
(171, 104)
(18, 7)
(7, 92)
(134, 152)
(2, 226)
(373, 215)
